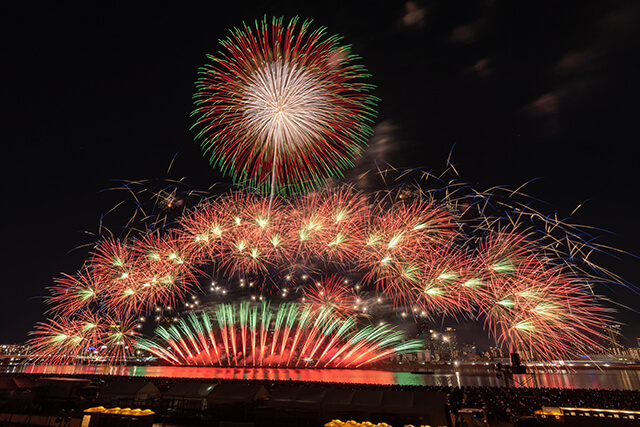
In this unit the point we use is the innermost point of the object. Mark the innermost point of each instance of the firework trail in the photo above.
(282, 107)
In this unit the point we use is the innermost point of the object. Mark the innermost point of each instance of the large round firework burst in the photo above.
(282, 107)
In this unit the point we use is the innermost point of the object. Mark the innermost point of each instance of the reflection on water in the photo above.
(321, 375)
(463, 376)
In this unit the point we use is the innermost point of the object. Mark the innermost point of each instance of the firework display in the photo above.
(315, 277)
(332, 297)
(294, 335)
(425, 256)
(86, 337)
(283, 107)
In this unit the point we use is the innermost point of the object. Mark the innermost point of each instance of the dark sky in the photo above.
(519, 89)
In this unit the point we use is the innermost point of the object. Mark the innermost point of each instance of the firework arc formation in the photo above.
(413, 252)
(282, 109)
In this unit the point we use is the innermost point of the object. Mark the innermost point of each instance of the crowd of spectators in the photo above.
(499, 403)
(513, 402)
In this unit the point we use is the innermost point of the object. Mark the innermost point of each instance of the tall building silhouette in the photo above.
(614, 339)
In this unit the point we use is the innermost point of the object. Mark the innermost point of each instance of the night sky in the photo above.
(514, 90)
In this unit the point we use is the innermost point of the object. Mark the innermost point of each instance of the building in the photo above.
(496, 352)
(423, 356)
(443, 345)
(14, 349)
(451, 337)
(468, 348)
(614, 340)
(634, 353)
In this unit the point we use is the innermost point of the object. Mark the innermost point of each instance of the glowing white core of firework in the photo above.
(286, 106)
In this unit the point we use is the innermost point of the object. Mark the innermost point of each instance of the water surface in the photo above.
(482, 376)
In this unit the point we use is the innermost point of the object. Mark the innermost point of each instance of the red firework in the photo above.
(534, 306)
(330, 225)
(58, 341)
(282, 107)
(73, 294)
(331, 295)
(445, 285)
(399, 244)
